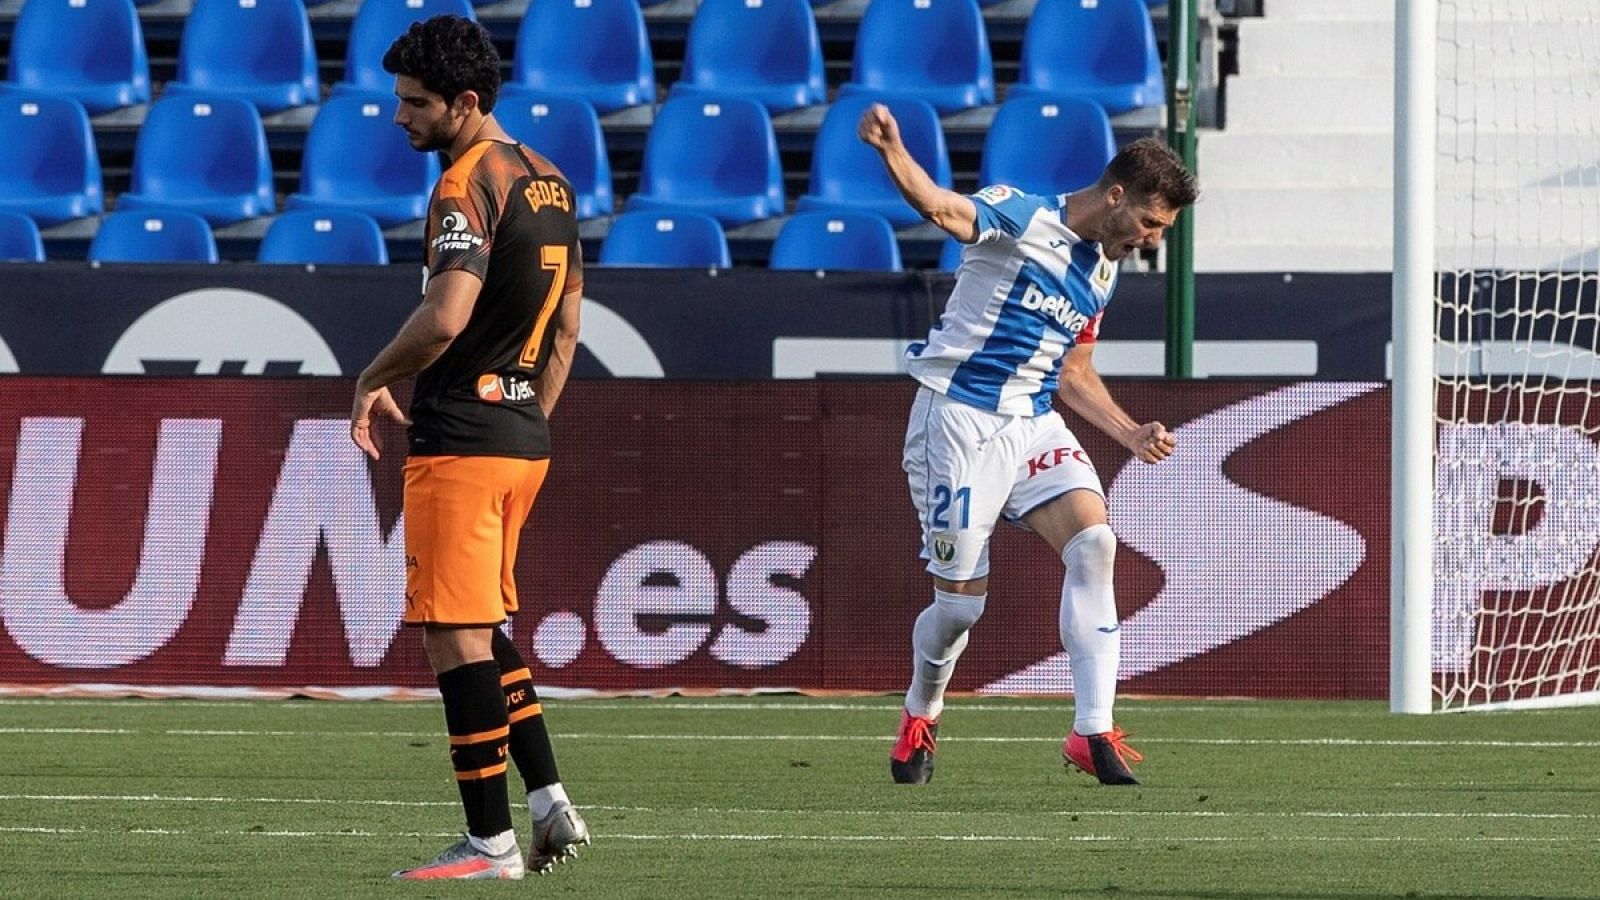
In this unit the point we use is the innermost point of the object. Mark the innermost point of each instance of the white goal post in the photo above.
(1495, 471)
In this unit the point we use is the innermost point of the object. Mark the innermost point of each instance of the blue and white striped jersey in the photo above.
(1027, 291)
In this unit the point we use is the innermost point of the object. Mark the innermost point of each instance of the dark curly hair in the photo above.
(448, 54)
(1148, 168)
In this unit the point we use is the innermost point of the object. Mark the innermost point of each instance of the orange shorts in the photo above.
(463, 517)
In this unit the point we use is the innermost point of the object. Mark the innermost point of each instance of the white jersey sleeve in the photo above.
(1004, 212)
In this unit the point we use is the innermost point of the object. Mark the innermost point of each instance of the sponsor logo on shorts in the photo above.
(1049, 459)
(944, 547)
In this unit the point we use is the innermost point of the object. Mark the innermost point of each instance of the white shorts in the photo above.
(967, 467)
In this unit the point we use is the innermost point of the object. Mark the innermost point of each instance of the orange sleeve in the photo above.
(462, 218)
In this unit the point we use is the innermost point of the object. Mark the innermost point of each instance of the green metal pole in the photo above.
(1183, 71)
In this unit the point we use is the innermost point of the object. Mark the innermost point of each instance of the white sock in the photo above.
(541, 800)
(936, 643)
(1088, 609)
(499, 845)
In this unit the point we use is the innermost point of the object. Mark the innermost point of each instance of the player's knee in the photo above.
(959, 612)
(1091, 554)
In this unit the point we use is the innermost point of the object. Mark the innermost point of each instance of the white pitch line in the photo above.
(172, 798)
(719, 810)
(26, 731)
(825, 838)
(831, 738)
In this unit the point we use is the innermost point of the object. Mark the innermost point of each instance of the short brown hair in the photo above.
(1148, 168)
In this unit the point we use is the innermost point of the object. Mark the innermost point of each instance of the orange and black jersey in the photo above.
(505, 214)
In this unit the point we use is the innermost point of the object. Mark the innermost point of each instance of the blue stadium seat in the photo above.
(934, 50)
(680, 240)
(256, 50)
(154, 236)
(355, 158)
(1076, 129)
(767, 50)
(19, 239)
(716, 156)
(950, 255)
(846, 174)
(566, 131)
(1106, 52)
(860, 242)
(207, 155)
(89, 50)
(50, 170)
(594, 49)
(376, 25)
(328, 237)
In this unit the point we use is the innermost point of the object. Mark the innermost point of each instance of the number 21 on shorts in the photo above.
(943, 499)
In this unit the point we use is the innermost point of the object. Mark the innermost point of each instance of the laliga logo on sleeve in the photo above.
(995, 193)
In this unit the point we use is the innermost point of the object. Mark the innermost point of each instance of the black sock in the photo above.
(530, 740)
(475, 714)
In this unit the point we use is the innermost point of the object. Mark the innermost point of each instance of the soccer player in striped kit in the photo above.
(984, 440)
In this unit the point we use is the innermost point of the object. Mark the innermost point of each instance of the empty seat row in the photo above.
(765, 50)
(718, 156)
(176, 236)
(208, 155)
(815, 240)
(839, 241)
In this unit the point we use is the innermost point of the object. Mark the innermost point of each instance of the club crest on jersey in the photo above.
(995, 193)
(944, 548)
(1103, 274)
(1059, 308)
(494, 388)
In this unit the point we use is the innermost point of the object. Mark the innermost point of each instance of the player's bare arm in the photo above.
(954, 214)
(427, 333)
(559, 363)
(1085, 394)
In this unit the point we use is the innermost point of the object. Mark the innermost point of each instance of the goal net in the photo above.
(1516, 598)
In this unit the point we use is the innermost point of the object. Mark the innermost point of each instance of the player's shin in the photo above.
(1090, 631)
(475, 715)
(937, 640)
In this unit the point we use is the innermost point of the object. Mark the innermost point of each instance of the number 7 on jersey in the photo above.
(552, 258)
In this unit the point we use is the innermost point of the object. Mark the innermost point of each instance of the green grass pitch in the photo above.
(791, 797)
